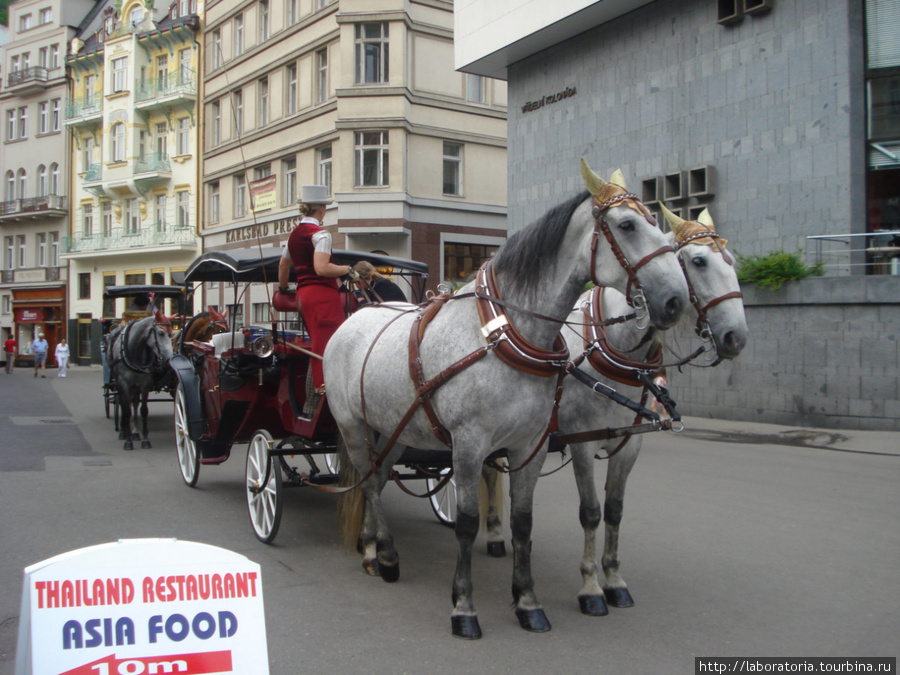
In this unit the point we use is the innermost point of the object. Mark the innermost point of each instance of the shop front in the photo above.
(35, 312)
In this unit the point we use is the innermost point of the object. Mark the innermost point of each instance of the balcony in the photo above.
(176, 88)
(28, 80)
(33, 208)
(120, 240)
(31, 275)
(84, 110)
(154, 165)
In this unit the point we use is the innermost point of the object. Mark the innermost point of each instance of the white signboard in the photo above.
(142, 607)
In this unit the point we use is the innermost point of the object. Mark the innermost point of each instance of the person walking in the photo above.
(39, 349)
(62, 357)
(10, 348)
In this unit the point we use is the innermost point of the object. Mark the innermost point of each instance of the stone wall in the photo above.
(822, 352)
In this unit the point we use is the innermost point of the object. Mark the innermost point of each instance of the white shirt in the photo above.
(62, 350)
(321, 240)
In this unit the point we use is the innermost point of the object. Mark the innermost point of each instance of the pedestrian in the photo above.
(377, 287)
(308, 251)
(62, 357)
(39, 350)
(10, 348)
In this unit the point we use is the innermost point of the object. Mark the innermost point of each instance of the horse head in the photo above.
(712, 278)
(629, 252)
(219, 321)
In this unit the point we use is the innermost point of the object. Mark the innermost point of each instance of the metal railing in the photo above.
(843, 254)
(155, 161)
(81, 107)
(179, 82)
(94, 173)
(32, 204)
(30, 74)
(120, 239)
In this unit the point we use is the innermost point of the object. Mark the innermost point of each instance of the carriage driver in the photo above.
(309, 251)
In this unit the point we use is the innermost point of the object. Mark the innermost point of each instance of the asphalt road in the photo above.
(748, 540)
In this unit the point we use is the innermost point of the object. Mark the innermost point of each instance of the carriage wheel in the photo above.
(443, 502)
(332, 463)
(188, 457)
(263, 501)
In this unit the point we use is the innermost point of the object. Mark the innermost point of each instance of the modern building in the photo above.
(34, 211)
(133, 116)
(362, 96)
(780, 116)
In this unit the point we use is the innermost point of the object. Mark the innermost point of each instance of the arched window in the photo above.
(54, 179)
(42, 181)
(136, 15)
(10, 186)
(117, 138)
(23, 184)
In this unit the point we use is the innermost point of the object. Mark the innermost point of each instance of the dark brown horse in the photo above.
(200, 327)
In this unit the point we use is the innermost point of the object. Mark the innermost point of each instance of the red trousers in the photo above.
(322, 313)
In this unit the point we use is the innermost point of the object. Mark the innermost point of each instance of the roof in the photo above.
(246, 265)
(158, 290)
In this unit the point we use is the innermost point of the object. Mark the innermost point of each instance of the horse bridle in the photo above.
(156, 359)
(602, 203)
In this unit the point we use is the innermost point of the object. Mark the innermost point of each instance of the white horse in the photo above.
(605, 235)
(628, 349)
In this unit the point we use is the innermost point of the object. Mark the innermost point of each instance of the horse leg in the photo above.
(464, 618)
(145, 414)
(529, 612)
(620, 466)
(125, 427)
(492, 507)
(590, 597)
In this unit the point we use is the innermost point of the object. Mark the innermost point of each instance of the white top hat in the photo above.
(314, 194)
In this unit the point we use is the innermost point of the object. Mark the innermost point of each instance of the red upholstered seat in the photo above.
(284, 302)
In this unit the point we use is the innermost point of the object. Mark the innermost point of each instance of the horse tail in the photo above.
(352, 502)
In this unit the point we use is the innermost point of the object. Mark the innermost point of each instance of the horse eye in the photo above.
(627, 225)
(699, 261)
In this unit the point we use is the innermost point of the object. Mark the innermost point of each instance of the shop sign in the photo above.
(30, 315)
(26, 276)
(254, 232)
(142, 606)
(262, 192)
(549, 99)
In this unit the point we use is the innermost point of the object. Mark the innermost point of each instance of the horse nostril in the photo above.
(674, 307)
(733, 342)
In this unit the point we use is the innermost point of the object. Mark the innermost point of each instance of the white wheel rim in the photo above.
(261, 503)
(187, 449)
(444, 502)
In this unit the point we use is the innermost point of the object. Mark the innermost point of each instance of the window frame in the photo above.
(454, 162)
(362, 44)
(363, 149)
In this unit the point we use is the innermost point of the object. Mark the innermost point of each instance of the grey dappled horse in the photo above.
(138, 354)
(715, 296)
(598, 235)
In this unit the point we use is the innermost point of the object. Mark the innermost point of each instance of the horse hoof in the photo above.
(371, 568)
(496, 549)
(533, 620)
(593, 605)
(128, 445)
(618, 597)
(390, 574)
(466, 626)
(146, 444)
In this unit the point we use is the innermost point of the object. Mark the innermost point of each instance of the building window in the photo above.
(240, 196)
(371, 53)
(161, 139)
(54, 115)
(261, 313)
(90, 83)
(289, 167)
(238, 103)
(54, 249)
(25, 22)
(132, 217)
(160, 212)
(216, 48)
(43, 117)
(54, 179)
(22, 180)
(321, 75)
(23, 122)
(42, 57)
(84, 285)
(54, 56)
(106, 216)
(462, 260)
(263, 106)
(136, 16)
(184, 136)
(214, 202)
(216, 123)
(10, 186)
(235, 316)
(292, 15)
(45, 16)
(291, 77)
(9, 261)
(10, 125)
(109, 304)
(239, 35)
(42, 181)
(120, 74)
(162, 72)
(87, 221)
(452, 169)
(371, 158)
(263, 20)
(42, 249)
(87, 153)
(20, 240)
(117, 140)
(184, 66)
(323, 166)
(183, 216)
(474, 88)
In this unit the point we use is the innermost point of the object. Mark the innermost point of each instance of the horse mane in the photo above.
(526, 254)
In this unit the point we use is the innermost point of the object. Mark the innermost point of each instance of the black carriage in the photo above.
(173, 322)
(252, 385)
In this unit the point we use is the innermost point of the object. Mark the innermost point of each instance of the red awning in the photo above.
(30, 315)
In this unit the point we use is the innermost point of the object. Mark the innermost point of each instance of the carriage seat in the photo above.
(134, 315)
(284, 302)
(222, 342)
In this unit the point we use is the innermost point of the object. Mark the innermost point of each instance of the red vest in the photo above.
(301, 248)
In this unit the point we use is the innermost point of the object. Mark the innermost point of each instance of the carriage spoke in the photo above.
(264, 501)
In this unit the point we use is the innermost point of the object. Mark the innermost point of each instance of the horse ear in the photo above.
(618, 178)
(593, 182)
(674, 221)
(706, 219)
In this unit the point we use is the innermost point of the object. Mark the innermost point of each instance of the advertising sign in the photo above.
(35, 315)
(143, 606)
(262, 194)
